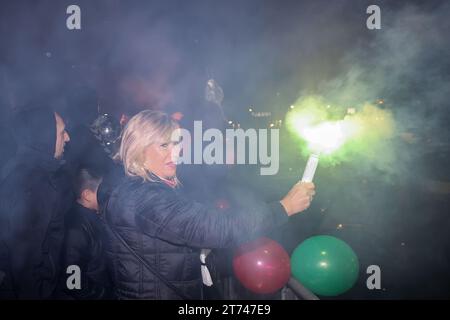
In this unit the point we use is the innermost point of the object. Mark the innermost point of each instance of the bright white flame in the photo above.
(325, 137)
(351, 110)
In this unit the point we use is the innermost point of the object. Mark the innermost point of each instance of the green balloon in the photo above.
(325, 265)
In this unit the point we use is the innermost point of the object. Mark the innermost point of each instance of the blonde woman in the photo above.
(156, 234)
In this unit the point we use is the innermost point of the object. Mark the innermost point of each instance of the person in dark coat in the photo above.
(155, 233)
(94, 138)
(83, 244)
(35, 195)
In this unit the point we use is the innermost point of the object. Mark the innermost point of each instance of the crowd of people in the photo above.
(117, 210)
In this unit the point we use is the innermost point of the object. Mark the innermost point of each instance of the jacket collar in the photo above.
(171, 183)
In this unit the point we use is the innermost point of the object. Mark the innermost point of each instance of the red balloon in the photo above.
(262, 265)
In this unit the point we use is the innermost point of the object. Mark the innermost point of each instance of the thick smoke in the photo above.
(405, 65)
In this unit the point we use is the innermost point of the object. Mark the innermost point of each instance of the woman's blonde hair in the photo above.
(145, 128)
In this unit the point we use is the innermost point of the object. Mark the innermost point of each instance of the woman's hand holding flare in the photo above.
(298, 198)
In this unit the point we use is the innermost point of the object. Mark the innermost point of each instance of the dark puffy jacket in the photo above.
(34, 195)
(168, 230)
(110, 180)
(83, 247)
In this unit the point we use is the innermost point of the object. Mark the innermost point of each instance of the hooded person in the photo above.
(35, 195)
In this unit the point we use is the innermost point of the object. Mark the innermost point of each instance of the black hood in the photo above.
(35, 128)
